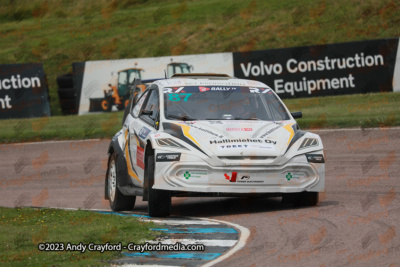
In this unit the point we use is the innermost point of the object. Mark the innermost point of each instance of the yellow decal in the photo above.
(137, 141)
(288, 127)
(186, 130)
(128, 161)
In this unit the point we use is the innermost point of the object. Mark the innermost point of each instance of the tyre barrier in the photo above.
(68, 106)
(65, 81)
(66, 94)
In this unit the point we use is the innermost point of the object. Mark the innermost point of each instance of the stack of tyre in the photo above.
(66, 94)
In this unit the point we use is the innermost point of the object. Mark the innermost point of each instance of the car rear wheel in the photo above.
(159, 200)
(305, 199)
(118, 201)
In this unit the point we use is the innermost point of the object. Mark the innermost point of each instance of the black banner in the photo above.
(78, 69)
(332, 69)
(23, 91)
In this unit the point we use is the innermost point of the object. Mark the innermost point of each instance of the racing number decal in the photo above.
(176, 97)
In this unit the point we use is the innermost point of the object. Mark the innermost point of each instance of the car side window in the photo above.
(139, 104)
(150, 108)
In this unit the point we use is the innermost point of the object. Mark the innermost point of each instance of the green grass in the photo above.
(59, 32)
(103, 125)
(369, 110)
(22, 229)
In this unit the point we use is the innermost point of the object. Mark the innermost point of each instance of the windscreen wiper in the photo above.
(182, 118)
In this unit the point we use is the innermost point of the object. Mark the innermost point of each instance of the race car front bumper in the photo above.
(297, 175)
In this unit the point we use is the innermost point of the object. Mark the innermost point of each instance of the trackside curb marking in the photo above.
(195, 230)
(243, 236)
(182, 255)
(205, 242)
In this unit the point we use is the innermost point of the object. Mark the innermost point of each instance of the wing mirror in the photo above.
(147, 112)
(297, 115)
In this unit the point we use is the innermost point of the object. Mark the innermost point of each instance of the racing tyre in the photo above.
(304, 199)
(159, 200)
(118, 201)
(68, 106)
(307, 199)
(66, 93)
(65, 81)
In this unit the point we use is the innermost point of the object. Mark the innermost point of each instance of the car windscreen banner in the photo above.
(320, 70)
(23, 91)
(214, 88)
(104, 85)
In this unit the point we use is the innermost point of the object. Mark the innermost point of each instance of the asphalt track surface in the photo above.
(355, 224)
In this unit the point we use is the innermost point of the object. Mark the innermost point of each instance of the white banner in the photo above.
(99, 75)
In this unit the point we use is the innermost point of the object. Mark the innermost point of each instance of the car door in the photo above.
(145, 123)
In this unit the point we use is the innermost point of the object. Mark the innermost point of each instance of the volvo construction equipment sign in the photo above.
(23, 91)
(347, 68)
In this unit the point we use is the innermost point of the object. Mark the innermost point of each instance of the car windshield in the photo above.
(222, 103)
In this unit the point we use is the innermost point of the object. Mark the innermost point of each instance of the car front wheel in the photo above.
(118, 201)
(159, 200)
(305, 199)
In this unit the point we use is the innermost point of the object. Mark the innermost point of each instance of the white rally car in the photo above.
(211, 135)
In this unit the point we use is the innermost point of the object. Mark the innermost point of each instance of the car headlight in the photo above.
(309, 142)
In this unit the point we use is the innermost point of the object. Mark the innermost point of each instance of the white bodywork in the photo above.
(254, 151)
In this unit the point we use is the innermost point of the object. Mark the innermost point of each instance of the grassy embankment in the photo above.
(22, 229)
(370, 110)
(58, 33)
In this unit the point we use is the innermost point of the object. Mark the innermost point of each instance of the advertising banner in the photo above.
(321, 70)
(23, 91)
(309, 71)
(101, 78)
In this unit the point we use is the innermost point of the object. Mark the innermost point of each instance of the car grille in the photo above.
(269, 158)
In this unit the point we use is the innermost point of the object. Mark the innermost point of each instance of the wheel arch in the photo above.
(122, 168)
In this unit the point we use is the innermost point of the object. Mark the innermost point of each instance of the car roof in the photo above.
(201, 79)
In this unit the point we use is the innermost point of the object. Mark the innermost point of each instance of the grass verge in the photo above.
(361, 110)
(369, 110)
(22, 229)
(59, 32)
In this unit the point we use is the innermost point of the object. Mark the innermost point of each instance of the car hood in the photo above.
(235, 138)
